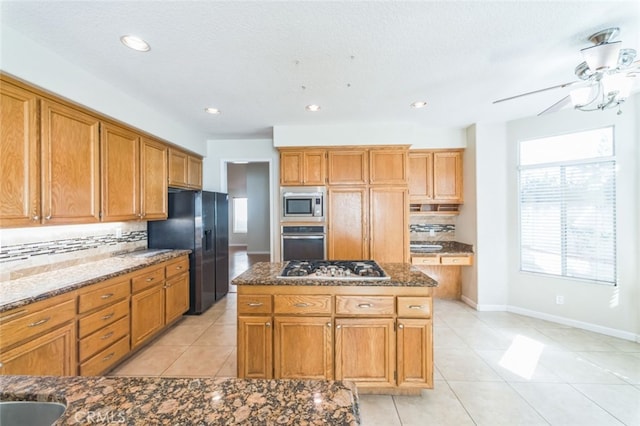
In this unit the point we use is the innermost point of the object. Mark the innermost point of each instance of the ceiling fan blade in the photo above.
(559, 86)
(566, 101)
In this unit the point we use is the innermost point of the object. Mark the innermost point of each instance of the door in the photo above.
(70, 153)
(153, 179)
(348, 226)
(389, 227)
(303, 348)
(415, 353)
(421, 176)
(255, 346)
(19, 163)
(374, 338)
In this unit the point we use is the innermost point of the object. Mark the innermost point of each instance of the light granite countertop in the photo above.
(448, 248)
(189, 401)
(22, 291)
(402, 275)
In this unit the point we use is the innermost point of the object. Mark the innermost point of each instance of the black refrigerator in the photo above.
(198, 221)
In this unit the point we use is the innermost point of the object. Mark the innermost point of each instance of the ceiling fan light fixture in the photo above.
(581, 96)
(602, 56)
(618, 85)
(135, 43)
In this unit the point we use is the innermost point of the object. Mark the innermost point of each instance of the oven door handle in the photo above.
(303, 237)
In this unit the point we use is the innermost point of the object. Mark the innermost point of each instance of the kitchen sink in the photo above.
(425, 248)
(30, 413)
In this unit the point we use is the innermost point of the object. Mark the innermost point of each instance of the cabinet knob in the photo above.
(48, 217)
(268, 324)
(328, 324)
(400, 326)
(36, 218)
(338, 326)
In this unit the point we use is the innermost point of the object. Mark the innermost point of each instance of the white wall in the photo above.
(369, 134)
(466, 223)
(33, 63)
(604, 308)
(258, 235)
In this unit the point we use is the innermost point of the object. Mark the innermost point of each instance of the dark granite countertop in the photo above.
(22, 291)
(181, 401)
(448, 248)
(402, 275)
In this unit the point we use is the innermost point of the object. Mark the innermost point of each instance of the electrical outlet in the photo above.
(559, 300)
(118, 232)
(432, 232)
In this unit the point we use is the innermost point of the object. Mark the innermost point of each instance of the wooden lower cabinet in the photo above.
(52, 354)
(415, 353)
(365, 351)
(176, 297)
(303, 348)
(255, 347)
(147, 314)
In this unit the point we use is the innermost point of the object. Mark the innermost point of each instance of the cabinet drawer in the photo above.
(302, 304)
(456, 260)
(258, 304)
(430, 260)
(103, 296)
(147, 279)
(35, 319)
(103, 317)
(177, 267)
(105, 359)
(365, 305)
(102, 338)
(414, 307)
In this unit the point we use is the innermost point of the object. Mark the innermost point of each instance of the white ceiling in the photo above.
(361, 61)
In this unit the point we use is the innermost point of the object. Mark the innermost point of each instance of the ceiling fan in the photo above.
(605, 78)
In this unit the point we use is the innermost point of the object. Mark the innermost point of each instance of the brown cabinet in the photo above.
(255, 347)
(348, 223)
(388, 166)
(153, 179)
(185, 171)
(348, 167)
(70, 165)
(147, 305)
(303, 167)
(176, 297)
(446, 269)
(435, 177)
(19, 162)
(389, 224)
(415, 353)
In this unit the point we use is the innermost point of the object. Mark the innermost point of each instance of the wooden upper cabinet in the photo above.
(153, 179)
(185, 171)
(435, 177)
(389, 228)
(348, 212)
(70, 152)
(348, 167)
(120, 161)
(388, 166)
(19, 162)
(303, 167)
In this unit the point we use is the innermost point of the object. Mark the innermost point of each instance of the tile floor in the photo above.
(491, 368)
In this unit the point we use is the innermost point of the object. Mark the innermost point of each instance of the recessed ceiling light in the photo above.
(312, 107)
(419, 104)
(135, 43)
(211, 110)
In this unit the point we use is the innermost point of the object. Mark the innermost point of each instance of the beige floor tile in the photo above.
(445, 338)
(463, 364)
(151, 361)
(482, 338)
(199, 361)
(437, 406)
(577, 340)
(181, 335)
(623, 365)
(378, 410)
(561, 404)
(218, 335)
(518, 365)
(574, 368)
(228, 318)
(230, 366)
(621, 401)
(495, 403)
(197, 320)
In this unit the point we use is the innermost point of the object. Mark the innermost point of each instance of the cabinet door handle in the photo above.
(109, 316)
(268, 324)
(365, 305)
(106, 336)
(108, 357)
(37, 323)
(400, 326)
(106, 296)
(416, 306)
(302, 305)
(254, 304)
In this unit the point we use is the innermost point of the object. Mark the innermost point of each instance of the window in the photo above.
(240, 215)
(567, 188)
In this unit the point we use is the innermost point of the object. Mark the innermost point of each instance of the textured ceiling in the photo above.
(361, 61)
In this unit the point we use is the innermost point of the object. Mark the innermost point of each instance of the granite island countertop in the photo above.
(402, 275)
(22, 291)
(189, 401)
(448, 248)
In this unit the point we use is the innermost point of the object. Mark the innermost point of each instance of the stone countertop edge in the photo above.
(448, 248)
(189, 401)
(22, 291)
(402, 275)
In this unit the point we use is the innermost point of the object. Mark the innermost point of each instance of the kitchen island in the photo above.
(376, 333)
(167, 401)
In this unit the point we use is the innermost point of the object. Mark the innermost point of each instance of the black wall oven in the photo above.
(305, 242)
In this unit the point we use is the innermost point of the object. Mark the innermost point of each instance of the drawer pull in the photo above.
(108, 357)
(416, 306)
(15, 314)
(178, 267)
(37, 323)
(150, 279)
(254, 304)
(106, 336)
(302, 305)
(166, 286)
(106, 296)
(365, 305)
(108, 316)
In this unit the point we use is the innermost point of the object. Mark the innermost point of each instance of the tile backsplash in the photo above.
(432, 228)
(28, 251)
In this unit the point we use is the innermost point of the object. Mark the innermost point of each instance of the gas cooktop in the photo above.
(334, 269)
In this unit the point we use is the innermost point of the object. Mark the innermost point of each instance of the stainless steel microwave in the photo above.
(303, 203)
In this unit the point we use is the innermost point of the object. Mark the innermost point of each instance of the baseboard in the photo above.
(237, 245)
(469, 302)
(626, 335)
(258, 252)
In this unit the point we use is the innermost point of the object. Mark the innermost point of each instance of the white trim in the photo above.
(491, 308)
(237, 245)
(258, 252)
